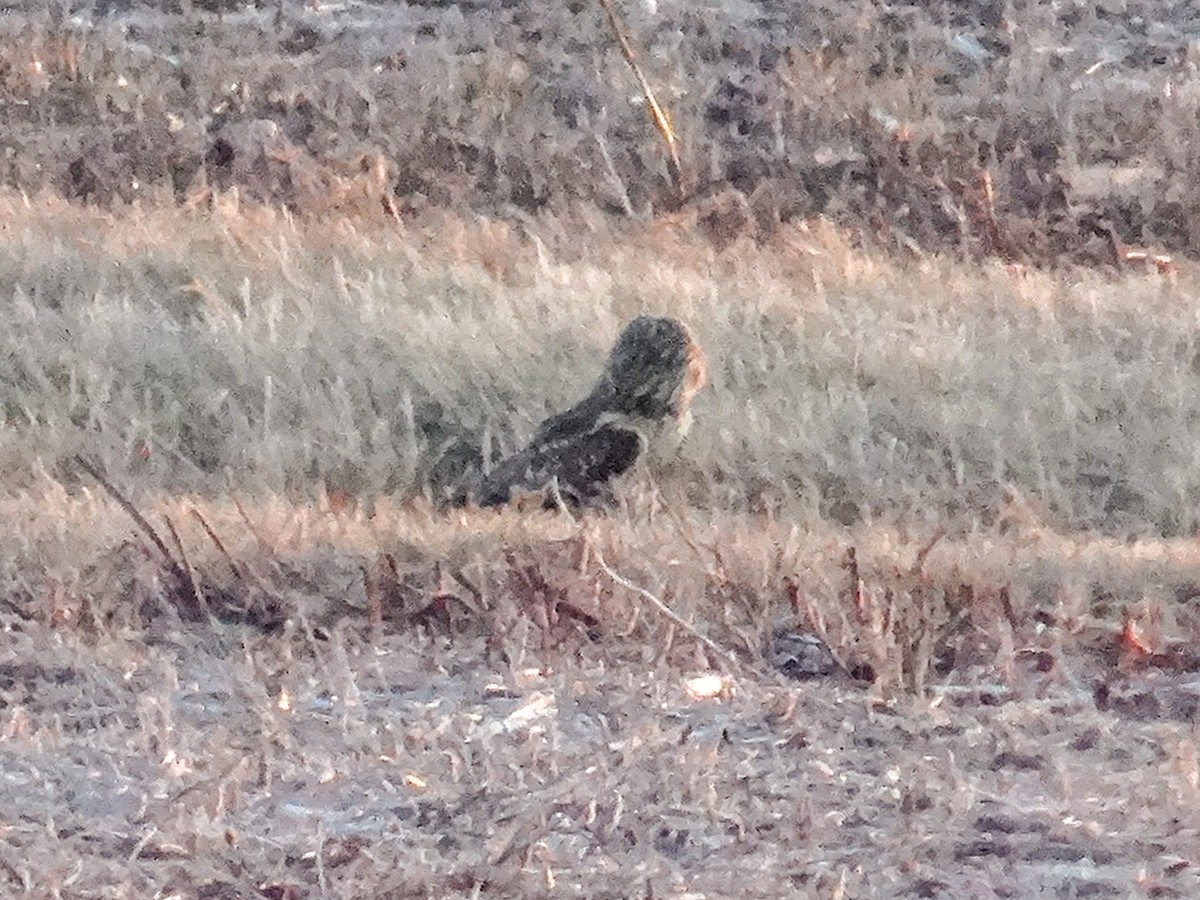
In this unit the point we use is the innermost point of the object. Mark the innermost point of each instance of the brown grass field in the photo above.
(272, 280)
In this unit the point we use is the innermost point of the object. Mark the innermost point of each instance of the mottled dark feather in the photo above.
(651, 375)
(581, 465)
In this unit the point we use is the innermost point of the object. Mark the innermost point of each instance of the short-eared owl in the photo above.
(652, 374)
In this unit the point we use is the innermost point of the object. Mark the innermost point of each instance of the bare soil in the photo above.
(484, 705)
(1019, 130)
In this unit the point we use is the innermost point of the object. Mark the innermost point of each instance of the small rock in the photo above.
(801, 655)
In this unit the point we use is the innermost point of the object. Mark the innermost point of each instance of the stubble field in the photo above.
(956, 448)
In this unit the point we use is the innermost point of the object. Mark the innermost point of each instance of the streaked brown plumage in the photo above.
(652, 374)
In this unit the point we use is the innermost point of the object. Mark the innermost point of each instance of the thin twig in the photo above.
(658, 604)
(186, 565)
(657, 115)
(213, 537)
(240, 569)
(457, 574)
(923, 553)
(377, 579)
(142, 844)
(617, 183)
(263, 543)
(183, 581)
(321, 859)
(130, 510)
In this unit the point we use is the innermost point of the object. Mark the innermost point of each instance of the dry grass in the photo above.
(1016, 130)
(517, 723)
(242, 348)
(975, 481)
(383, 699)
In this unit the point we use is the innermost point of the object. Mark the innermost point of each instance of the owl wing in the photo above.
(582, 465)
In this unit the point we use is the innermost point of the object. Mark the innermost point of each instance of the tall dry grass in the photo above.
(240, 348)
(333, 380)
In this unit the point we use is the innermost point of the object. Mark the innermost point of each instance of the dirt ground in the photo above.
(1019, 130)
(415, 768)
(555, 735)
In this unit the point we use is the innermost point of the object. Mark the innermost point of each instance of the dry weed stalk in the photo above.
(439, 611)
(657, 114)
(58, 611)
(241, 570)
(850, 564)
(378, 582)
(186, 565)
(1125, 256)
(265, 545)
(666, 611)
(655, 601)
(613, 176)
(904, 621)
(187, 591)
(979, 207)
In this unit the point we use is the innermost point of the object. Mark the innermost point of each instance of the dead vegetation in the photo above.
(337, 360)
(911, 612)
(496, 704)
(1016, 130)
(955, 498)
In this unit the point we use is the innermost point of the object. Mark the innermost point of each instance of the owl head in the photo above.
(654, 370)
